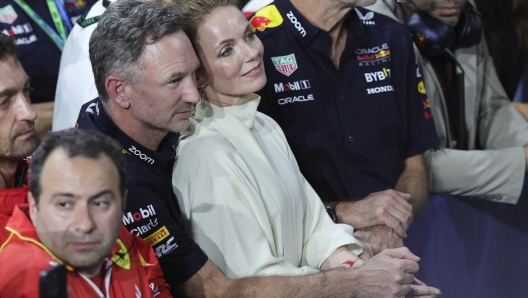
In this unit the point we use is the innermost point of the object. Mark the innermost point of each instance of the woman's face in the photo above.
(230, 53)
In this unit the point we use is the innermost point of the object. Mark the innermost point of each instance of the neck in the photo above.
(92, 271)
(223, 100)
(325, 14)
(140, 132)
(407, 8)
(328, 15)
(8, 169)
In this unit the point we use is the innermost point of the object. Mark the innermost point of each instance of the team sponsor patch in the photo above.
(285, 64)
(292, 86)
(426, 104)
(8, 14)
(293, 99)
(381, 89)
(267, 17)
(166, 248)
(18, 29)
(373, 56)
(378, 75)
(91, 106)
(296, 23)
(139, 215)
(366, 19)
(158, 236)
(421, 87)
(122, 258)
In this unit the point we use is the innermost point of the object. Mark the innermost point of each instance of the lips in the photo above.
(83, 245)
(448, 11)
(253, 72)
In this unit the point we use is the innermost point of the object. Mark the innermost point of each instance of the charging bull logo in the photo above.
(267, 17)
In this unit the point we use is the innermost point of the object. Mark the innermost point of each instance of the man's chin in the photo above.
(25, 147)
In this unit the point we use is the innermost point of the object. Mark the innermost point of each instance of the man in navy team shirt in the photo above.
(344, 86)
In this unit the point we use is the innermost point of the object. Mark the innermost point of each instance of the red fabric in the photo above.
(10, 197)
(23, 257)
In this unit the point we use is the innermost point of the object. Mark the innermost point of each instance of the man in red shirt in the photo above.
(17, 136)
(76, 201)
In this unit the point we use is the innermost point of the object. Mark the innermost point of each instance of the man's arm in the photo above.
(388, 274)
(413, 180)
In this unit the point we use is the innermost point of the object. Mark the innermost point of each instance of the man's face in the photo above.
(448, 11)
(80, 209)
(164, 98)
(17, 117)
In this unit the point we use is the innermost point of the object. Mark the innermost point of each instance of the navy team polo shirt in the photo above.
(39, 56)
(351, 128)
(152, 210)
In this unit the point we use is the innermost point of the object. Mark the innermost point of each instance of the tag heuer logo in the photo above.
(285, 64)
(8, 14)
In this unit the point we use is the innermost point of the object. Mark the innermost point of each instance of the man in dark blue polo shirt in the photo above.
(344, 86)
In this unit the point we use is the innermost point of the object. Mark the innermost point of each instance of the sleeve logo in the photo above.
(157, 236)
(8, 14)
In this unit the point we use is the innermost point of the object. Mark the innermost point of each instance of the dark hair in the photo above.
(123, 31)
(75, 142)
(8, 48)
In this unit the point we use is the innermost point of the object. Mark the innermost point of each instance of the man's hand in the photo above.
(391, 274)
(378, 238)
(419, 289)
(389, 207)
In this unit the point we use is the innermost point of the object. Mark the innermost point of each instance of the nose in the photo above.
(251, 50)
(83, 220)
(190, 93)
(24, 110)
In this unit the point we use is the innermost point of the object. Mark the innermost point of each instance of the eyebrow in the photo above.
(182, 74)
(8, 91)
(248, 28)
(71, 195)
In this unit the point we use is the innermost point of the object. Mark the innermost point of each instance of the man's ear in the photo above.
(116, 90)
(33, 208)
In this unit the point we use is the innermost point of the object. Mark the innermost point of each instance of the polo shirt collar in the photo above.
(153, 159)
(297, 23)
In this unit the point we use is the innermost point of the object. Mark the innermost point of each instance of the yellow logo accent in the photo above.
(267, 17)
(158, 236)
(122, 258)
(421, 87)
(125, 152)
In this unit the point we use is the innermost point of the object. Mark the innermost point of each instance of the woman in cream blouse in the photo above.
(242, 196)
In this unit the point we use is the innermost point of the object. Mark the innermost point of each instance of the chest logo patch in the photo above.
(8, 14)
(122, 258)
(285, 64)
(267, 17)
(421, 87)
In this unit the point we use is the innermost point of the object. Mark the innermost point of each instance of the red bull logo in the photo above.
(259, 23)
(428, 115)
(426, 104)
(267, 17)
(382, 54)
(421, 87)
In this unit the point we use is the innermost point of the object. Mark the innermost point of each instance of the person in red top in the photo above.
(17, 136)
(76, 201)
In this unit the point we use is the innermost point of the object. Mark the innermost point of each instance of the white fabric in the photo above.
(494, 166)
(76, 84)
(244, 200)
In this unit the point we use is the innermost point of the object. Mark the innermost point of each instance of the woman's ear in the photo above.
(201, 77)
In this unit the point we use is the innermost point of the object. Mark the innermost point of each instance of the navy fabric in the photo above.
(39, 56)
(152, 210)
(351, 128)
(470, 247)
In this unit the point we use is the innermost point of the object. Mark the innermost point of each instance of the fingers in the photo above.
(401, 253)
(423, 291)
(392, 207)
(395, 224)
